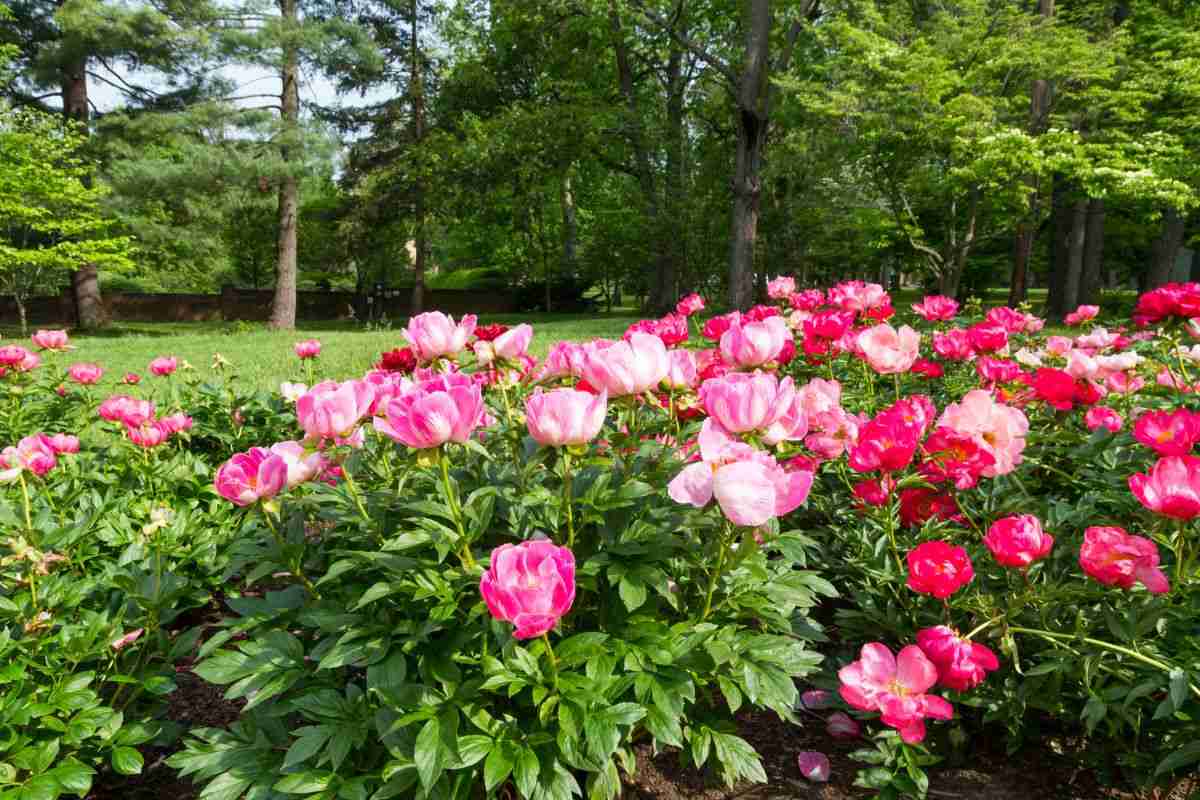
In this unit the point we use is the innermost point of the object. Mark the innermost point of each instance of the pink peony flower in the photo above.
(514, 343)
(1116, 558)
(919, 505)
(689, 305)
(1018, 541)
(1103, 417)
(953, 345)
(302, 465)
(148, 434)
(292, 391)
(1172, 433)
(135, 413)
(435, 335)
(51, 340)
(163, 366)
(995, 427)
(953, 456)
(961, 664)
(257, 474)
(126, 640)
(742, 402)
(749, 485)
(814, 766)
(630, 367)
(331, 410)
(890, 351)
(177, 422)
(61, 443)
(810, 300)
(565, 417)
(1081, 315)
(682, 373)
(113, 408)
(781, 288)
(987, 337)
(887, 443)
(531, 585)
(32, 453)
(309, 348)
(438, 410)
(85, 374)
(896, 687)
(131, 378)
(754, 343)
(938, 569)
(936, 308)
(841, 725)
(1171, 487)
(858, 296)
(12, 355)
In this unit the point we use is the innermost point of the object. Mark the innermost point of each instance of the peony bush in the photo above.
(471, 572)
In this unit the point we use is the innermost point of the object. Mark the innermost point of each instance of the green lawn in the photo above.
(265, 358)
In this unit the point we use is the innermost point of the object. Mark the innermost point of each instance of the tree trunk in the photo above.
(1194, 270)
(19, 299)
(672, 230)
(283, 305)
(1075, 248)
(1093, 254)
(1039, 104)
(418, 120)
(1059, 248)
(570, 225)
(752, 123)
(89, 306)
(1165, 250)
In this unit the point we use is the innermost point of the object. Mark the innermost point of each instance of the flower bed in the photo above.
(470, 572)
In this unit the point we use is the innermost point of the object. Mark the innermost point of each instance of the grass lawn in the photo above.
(264, 358)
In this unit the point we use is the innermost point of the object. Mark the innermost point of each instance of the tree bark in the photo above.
(751, 134)
(1093, 254)
(570, 225)
(1165, 250)
(416, 87)
(1075, 248)
(89, 306)
(283, 305)
(1059, 247)
(673, 231)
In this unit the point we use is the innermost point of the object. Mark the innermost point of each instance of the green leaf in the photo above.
(427, 754)
(526, 772)
(1179, 687)
(307, 745)
(309, 782)
(73, 776)
(633, 592)
(1188, 754)
(126, 760)
(499, 765)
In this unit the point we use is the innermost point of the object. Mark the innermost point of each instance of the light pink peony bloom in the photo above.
(177, 422)
(136, 412)
(890, 351)
(292, 391)
(32, 453)
(749, 485)
(744, 401)
(61, 443)
(513, 343)
(1116, 558)
(683, 373)
(29, 363)
(149, 434)
(565, 417)
(1059, 345)
(814, 766)
(303, 465)
(1081, 315)
(444, 409)
(249, 477)
(51, 340)
(841, 725)
(1171, 487)
(531, 585)
(331, 410)
(1122, 383)
(632, 366)
(163, 366)
(819, 397)
(781, 288)
(895, 686)
(835, 432)
(750, 343)
(1081, 366)
(435, 335)
(309, 348)
(1098, 339)
(994, 427)
(85, 374)
(113, 408)
(936, 308)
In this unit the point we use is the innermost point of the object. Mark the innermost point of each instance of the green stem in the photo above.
(716, 574)
(1116, 648)
(553, 658)
(1180, 552)
(356, 493)
(568, 497)
(295, 565)
(983, 627)
(464, 553)
(25, 497)
(891, 532)
(896, 382)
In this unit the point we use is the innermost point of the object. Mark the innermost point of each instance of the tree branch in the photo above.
(688, 43)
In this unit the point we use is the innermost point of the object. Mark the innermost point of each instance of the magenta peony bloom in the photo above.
(12, 355)
(814, 766)
(1018, 541)
(163, 366)
(444, 409)
(890, 351)
(895, 686)
(1117, 558)
(1168, 433)
(257, 474)
(61, 443)
(85, 374)
(132, 378)
(531, 585)
(634, 366)
(32, 453)
(1171, 487)
(177, 422)
(953, 345)
(435, 335)
(1081, 315)
(936, 308)
(987, 337)
(749, 485)
(689, 305)
(564, 417)
(51, 340)
(309, 348)
(331, 410)
(1103, 417)
(148, 434)
(939, 569)
(961, 664)
(781, 288)
(754, 343)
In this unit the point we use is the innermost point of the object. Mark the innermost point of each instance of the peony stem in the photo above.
(983, 627)
(568, 496)
(716, 574)
(295, 566)
(464, 553)
(553, 658)
(356, 493)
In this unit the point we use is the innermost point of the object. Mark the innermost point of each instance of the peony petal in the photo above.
(914, 670)
(693, 486)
